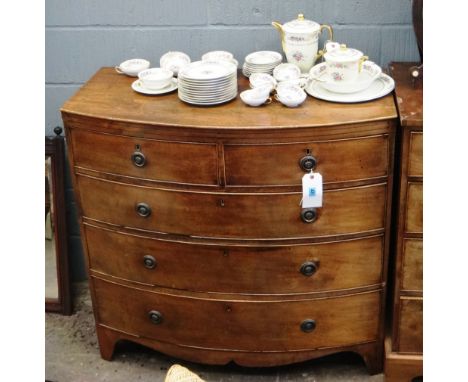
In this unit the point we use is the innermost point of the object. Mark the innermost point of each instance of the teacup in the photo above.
(301, 82)
(261, 80)
(344, 64)
(286, 72)
(155, 78)
(132, 67)
(174, 61)
(256, 96)
(290, 96)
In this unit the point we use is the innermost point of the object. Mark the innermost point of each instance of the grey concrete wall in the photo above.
(84, 35)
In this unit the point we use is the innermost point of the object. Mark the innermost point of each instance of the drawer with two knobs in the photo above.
(254, 269)
(281, 324)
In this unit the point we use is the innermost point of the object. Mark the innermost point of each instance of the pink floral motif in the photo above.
(337, 76)
(298, 56)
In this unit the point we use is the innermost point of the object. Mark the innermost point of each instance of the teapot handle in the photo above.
(330, 35)
(278, 26)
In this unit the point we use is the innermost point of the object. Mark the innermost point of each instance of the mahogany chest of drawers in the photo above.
(195, 240)
(404, 347)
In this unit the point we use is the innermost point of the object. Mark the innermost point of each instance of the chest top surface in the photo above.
(108, 95)
(409, 96)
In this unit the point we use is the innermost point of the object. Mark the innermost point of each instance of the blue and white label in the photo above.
(312, 190)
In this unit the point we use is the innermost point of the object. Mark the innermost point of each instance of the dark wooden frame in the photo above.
(55, 149)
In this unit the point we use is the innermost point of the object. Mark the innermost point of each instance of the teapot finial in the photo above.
(300, 17)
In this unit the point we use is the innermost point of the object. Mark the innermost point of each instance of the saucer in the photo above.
(138, 87)
(380, 87)
(369, 73)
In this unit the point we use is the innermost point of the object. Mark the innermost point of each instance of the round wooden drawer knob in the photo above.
(143, 209)
(308, 163)
(309, 268)
(138, 159)
(155, 317)
(149, 262)
(308, 325)
(309, 215)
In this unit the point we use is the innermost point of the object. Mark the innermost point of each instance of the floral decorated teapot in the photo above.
(300, 41)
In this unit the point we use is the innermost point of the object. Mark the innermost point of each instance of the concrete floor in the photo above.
(72, 355)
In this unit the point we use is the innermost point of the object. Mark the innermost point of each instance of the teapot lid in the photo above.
(343, 54)
(301, 25)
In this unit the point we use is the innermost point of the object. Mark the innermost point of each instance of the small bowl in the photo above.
(174, 61)
(256, 97)
(155, 78)
(262, 79)
(132, 67)
(290, 96)
(286, 72)
(217, 55)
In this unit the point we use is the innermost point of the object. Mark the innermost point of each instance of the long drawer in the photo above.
(280, 325)
(337, 160)
(236, 269)
(146, 158)
(411, 325)
(262, 215)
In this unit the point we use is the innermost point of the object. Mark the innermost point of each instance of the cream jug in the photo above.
(300, 41)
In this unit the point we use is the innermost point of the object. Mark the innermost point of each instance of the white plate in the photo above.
(264, 57)
(174, 61)
(214, 102)
(207, 70)
(370, 72)
(379, 88)
(138, 87)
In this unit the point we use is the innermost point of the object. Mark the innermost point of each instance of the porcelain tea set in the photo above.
(346, 75)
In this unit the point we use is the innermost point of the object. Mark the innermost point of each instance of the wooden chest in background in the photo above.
(195, 240)
(404, 346)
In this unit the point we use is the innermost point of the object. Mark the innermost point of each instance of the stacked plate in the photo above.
(261, 62)
(208, 82)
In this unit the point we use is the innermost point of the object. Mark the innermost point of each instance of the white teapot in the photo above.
(300, 41)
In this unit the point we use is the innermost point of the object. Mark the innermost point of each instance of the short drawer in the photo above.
(224, 215)
(281, 325)
(412, 267)
(415, 162)
(236, 269)
(411, 325)
(338, 161)
(190, 163)
(414, 209)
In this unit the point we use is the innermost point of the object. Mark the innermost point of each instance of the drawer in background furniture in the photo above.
(236, 269)
(415, 162)
(414, 209)
(412, 267)
(337, 160)
(224, 215)
(410, 332)
(280, 324)
(191, 163)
